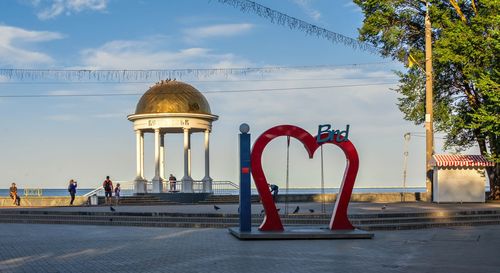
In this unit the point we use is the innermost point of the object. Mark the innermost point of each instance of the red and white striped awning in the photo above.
(460, 161)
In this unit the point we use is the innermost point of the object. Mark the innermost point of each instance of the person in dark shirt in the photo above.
(274, 191)
(172, 180)
(13, 194)
(108, 190)
(72, 190)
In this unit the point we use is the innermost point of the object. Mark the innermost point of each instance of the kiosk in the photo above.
(459, 178)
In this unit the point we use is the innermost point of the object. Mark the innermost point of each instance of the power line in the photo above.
(205, 92)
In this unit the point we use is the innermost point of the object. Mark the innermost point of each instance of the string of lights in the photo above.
(136, 75)
(291, 22)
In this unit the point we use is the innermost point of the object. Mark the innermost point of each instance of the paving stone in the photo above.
(72, 248)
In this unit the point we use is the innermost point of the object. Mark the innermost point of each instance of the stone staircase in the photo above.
(226, 199)
(220, 199)
(144, 200)
(386, 221)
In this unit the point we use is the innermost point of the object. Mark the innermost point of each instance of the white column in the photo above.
(138, 150)
(187, 181)
(157, 187)
(162, 158)
(139, 182)
(207, 181)
(142, 155)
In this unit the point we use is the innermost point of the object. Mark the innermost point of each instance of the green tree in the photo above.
(465, 65)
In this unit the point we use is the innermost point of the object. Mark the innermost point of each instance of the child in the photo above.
(117, 193)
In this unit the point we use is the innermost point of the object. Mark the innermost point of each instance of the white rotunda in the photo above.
(171, 107)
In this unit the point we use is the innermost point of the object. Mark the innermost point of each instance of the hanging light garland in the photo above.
(131, 75)
(279, 18)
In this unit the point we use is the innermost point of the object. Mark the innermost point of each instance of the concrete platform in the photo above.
(300, 233)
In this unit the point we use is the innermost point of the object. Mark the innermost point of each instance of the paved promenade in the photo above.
(72, 248)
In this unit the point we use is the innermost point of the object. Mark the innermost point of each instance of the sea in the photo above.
(64, 192)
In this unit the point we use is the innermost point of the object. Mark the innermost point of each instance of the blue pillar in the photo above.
(245, 193)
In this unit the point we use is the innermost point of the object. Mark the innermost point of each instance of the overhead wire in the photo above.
(204, 92)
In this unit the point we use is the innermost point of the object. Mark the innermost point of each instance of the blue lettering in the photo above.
(326, 134)
(325, 128)
(345, 137)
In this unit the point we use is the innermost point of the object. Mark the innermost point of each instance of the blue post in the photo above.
(245, 193)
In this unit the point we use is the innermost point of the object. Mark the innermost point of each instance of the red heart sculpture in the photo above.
(272, 220)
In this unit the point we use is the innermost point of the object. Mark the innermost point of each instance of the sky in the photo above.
(46, 141)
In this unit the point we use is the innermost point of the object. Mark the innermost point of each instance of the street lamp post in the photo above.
(407, 137)
(429, 130)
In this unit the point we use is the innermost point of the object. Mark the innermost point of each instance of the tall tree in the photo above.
(465, 66)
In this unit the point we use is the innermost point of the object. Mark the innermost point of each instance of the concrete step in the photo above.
(423, 219)
(227, 220)
(225, 199)
(197, 224)
(422, 225)
(145, 201)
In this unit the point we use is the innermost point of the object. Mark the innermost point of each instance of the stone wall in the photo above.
(357, 197)
(43, 201)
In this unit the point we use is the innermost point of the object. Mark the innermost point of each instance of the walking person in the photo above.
(108, 190)
(117, 193)
(274, 191)
(13, 195)
(72, 190)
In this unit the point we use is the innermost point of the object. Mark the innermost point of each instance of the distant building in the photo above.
(459, 178)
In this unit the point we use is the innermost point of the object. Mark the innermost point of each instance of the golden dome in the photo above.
(172, 97)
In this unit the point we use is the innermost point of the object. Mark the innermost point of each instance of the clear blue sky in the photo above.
(47, 141)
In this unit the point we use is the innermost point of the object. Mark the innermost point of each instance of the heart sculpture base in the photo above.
(301, 233)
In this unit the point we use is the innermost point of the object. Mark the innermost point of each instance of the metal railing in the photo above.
(33, 192)
(127, 188)
(225, 188)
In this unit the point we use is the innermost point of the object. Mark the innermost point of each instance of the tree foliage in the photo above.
(465, 66)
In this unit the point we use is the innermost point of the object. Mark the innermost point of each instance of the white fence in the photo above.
(127, 188)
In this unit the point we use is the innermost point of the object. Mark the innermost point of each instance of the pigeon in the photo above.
(311, 210)
(384, 207)
(111, 208)
(296, 210)
(216, 208)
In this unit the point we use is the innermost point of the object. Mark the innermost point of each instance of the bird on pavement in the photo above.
(296, 210)
(311, 210)
(111, 208)
(384, 207)
(216, 208)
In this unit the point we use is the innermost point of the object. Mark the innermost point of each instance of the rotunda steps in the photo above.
(396, 221)
(225, 199)
(144, 200)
